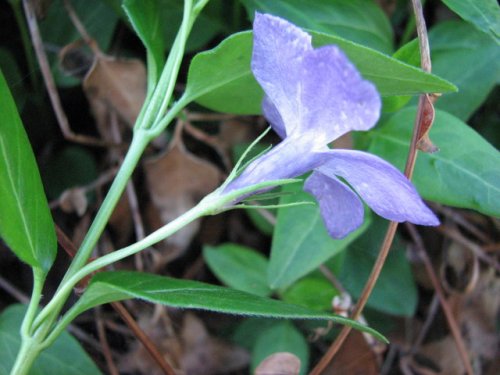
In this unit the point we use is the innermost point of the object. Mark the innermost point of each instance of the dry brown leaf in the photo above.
(177, 180)
(118, 85)
(354, 357)
(444, 354)
(206, 355)
(283, 363)
(73, 200)
(192, 351)
(424, 143)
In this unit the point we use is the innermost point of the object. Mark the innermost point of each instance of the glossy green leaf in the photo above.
(238, 267)
(119, 285)
(313, 292)
(25, 221)
(144, 15)
(281, 337)
(57, 29)
(463, 173)
(301, 242)
(484, 14)
(395, 292)
(468, 58)
(64, 357)
(361, 21)
(220, 79)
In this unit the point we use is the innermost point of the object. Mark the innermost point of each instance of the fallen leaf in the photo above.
(283, 363)
(177, 180)
(354, 357)
(424, 143)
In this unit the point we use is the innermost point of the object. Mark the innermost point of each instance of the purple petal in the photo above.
(273, 116)
(341, 209)
(289, 159)
(312, 89)
(336, 96)
(278, 50)
(384, 188)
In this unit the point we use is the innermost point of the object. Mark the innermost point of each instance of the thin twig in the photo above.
(139, 333)
(70, 248)
(391, 230)
(431, 314)
(50, 85)
(460, 220)
(452, 324)
(13, 291)
(456, 236)
(106, 351)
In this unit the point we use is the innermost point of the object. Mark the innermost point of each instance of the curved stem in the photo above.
(38, 280)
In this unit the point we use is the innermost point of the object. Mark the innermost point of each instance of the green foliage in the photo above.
(361, 21)
(313, 292)
(395, 292)
(114, 286)
(72, 158)
(25, 220)
(468, 58)
(144, 15)
(220, 79)
(238, 267)
(64, 357)
(301, 242)
(463, 173)
(484, 14)
(281, 337)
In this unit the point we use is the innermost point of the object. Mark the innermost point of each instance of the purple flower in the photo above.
(313, 96)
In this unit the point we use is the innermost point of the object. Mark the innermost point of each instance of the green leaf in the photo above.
(144, 15)
(468, 58)
(220, 79)
(64, 357)
(25, 221)
(463, 173)
(361, 21)
(238, 267)
(395, 292)
(71, 158)
(484, 14)
(57, 29)
(312, 292)
(119, 285)
(301, 242)
(281, 337)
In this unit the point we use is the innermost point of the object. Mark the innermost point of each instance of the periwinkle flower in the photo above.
(312, 97)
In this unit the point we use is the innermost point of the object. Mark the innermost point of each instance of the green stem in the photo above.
(30, 349)
(211, 204)
(38, 280)
(139, 143)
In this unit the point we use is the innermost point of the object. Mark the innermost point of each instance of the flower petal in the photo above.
(273, 116)
(278, 50)
(313, 90)
(288, 159)
(335, 95)
(341, 209)
(384, 188)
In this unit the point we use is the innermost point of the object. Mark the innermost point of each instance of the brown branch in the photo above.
(70, 248)
(452, 324)
(139, 333)
(456, 236)
(50, 84)
(391, 230)
(106, 351)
